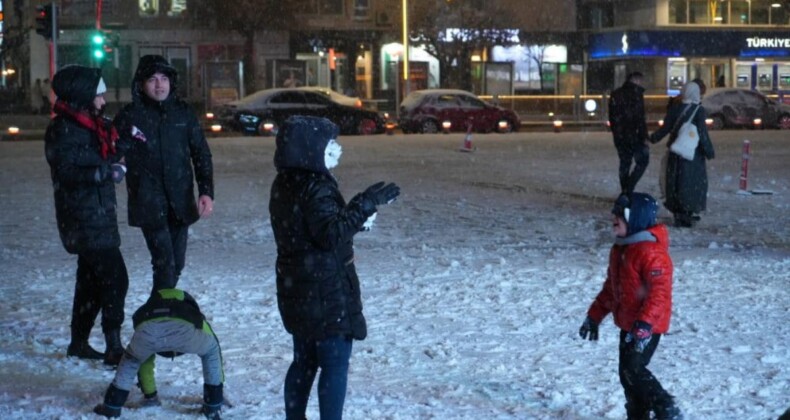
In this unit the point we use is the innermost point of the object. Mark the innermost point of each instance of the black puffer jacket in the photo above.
(160, 169)
(627, 115)
(317, 285)
(85, 203)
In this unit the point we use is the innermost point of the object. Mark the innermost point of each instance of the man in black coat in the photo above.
(318, 292)
(79, 146)
(629, 130)
(165, 151)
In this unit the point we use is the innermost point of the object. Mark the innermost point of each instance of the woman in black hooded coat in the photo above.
(317, 285)
(79, 146)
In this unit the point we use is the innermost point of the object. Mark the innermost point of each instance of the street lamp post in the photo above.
(405, 7)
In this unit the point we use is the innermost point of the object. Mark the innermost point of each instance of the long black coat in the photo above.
(317, 285)
(686, 180)
(160, 169)
(627, 115)
(85, 205)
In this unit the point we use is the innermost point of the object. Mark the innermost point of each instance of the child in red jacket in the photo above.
(638, 293)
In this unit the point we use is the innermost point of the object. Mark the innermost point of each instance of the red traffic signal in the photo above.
(44, 20)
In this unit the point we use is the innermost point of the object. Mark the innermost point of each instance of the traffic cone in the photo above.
(467, 146)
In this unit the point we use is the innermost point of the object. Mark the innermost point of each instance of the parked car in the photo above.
(335, 96)
(424, 111)
(264, 111)
(735, 107)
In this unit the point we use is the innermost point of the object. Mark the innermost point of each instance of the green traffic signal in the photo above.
(97, 40)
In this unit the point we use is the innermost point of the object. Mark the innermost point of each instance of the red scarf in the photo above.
(103, 128)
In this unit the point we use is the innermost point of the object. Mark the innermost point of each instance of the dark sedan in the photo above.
(734, 107)
(264, 111)
(426, 111)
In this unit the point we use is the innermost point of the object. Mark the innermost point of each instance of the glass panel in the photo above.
(739, 12)
(698, 11)
(718, 12)
(148, 8)
(677, 11)
(760, 12)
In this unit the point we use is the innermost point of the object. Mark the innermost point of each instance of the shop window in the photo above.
(177, 8)
(678, 11)
(148, 8)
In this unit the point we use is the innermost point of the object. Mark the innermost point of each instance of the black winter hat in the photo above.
(639, 210)
(76, 85)
(150, 64)
(301, 143)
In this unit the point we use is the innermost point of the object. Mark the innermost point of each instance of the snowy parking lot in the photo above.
(474, 281)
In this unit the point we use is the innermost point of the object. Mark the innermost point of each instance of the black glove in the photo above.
(640, 335)
(589, 327)
(118, 171)
(381, 194)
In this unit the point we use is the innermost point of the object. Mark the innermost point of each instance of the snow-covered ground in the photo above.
(474, 283)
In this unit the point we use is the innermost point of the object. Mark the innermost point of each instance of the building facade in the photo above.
(726, 43)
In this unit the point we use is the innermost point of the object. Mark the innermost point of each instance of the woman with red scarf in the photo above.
(80, 150)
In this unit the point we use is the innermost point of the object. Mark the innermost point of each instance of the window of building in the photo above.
(739, 12)
(698, 11)
(729, 12)
(177, 8)
(678, 11)
(148, 8)
(361, 9)
(322, 7)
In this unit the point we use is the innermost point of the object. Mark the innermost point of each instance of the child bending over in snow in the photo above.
(169, 323)
(638, 292)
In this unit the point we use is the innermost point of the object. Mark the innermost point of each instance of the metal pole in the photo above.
(54, 45)
(406, 78)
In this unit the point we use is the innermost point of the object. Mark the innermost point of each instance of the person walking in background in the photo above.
(318, 291)
(170, 324)
(638, 293)
(678, 99)
(79, 147)
(686, 181)
(165, 151)
(629, 130)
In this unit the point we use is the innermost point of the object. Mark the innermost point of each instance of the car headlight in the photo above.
(248, 119)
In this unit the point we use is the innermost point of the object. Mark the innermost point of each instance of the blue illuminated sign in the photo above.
(689, 44)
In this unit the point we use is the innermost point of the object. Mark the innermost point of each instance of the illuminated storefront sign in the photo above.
(689, 44)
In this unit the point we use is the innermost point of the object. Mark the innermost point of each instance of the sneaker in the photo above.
(83, 350)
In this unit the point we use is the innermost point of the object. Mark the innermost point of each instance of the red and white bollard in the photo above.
(467, 146)
(745, 167)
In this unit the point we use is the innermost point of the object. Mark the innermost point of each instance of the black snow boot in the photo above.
(83, 350)
(668, 411)
(114, 350)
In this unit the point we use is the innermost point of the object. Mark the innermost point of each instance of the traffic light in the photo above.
(97, 46)
(44, 16)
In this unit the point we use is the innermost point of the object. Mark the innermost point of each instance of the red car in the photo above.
(424, 111)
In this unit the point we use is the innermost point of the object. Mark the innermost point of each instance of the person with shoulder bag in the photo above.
(686, 179)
